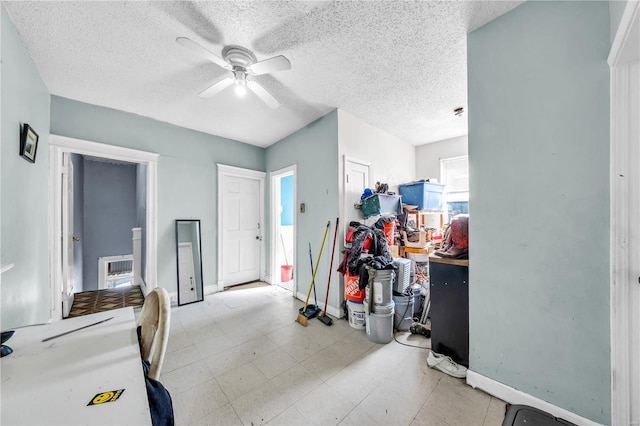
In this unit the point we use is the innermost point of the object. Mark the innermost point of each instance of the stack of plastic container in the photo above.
(379, 307)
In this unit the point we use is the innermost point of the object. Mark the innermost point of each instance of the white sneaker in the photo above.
(446, 365)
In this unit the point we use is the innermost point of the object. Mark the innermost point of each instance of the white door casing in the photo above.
(67, 235)
(240, 225)
(186, 274)
(275, 177)
(624, 60)
(58, 146)
(356, 179)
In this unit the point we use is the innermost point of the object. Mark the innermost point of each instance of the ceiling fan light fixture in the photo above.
(240, 61)
(240, 83)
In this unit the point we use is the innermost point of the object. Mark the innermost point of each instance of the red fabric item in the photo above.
(349, 237)
(460, 232)
(366, 245)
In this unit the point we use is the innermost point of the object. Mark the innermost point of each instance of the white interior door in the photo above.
(186, 277)
(241, 220)
(356, 179)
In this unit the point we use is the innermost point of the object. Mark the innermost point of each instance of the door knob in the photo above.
(76, 238)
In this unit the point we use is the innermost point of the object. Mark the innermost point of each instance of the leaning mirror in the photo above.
(189, 255)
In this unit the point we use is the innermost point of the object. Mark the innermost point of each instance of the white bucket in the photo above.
(356, 314)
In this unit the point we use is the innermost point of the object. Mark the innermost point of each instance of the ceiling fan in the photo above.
(243, 64)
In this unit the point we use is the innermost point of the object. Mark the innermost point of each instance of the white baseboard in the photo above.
(173, 297)
(514, 396)
(67, 303)
(143, 287)
(210, 289)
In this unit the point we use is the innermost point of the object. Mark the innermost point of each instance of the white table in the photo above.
(52, 382)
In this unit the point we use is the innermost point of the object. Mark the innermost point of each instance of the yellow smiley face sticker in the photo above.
(104, 397)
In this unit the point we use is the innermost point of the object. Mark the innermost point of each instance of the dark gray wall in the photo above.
(109, 214)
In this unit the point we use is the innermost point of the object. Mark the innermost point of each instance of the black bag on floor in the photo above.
(160, 403)
(523, 415)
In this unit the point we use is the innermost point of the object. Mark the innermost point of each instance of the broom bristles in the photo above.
(302, 319)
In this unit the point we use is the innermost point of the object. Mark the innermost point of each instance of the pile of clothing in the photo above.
(370, 242)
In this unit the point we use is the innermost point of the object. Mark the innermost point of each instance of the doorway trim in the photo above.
(346, 204)
(274, 180)
(225, 170)
(624, 184)
(58, 146)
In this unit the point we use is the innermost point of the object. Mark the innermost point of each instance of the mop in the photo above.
(326, 320)
(302, 319)
(312, 310)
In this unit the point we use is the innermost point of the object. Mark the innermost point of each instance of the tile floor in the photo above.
(89, 302)
(239, 358)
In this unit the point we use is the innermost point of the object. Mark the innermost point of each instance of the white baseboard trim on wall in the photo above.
(173, 297)
(514, 396)
(143, 287)
(210, 289)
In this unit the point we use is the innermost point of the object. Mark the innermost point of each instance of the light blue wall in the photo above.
(286, 200)
(315, 151)
(616, 9)
(187, 175)
(24, 186)
(539, 208)
(109, 214)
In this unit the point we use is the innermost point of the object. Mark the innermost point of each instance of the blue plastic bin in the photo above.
(426, 195)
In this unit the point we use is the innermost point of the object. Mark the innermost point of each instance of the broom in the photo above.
(301, 318)
(323, 316)
(312, 310)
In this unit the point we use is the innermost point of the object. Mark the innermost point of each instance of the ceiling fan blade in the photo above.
(216, 87)
(262, 93)
(195, 47)
(277, 63)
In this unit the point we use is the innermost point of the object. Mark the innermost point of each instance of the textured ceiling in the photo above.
(398, 65)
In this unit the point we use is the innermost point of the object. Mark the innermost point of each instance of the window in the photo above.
(454, 173)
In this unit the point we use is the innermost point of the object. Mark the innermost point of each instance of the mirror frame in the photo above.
(196, 270)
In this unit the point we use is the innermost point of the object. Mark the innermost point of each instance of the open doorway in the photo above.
(283, 227)
(64, 232)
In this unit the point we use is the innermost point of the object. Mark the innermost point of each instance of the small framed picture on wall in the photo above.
(28, 143)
